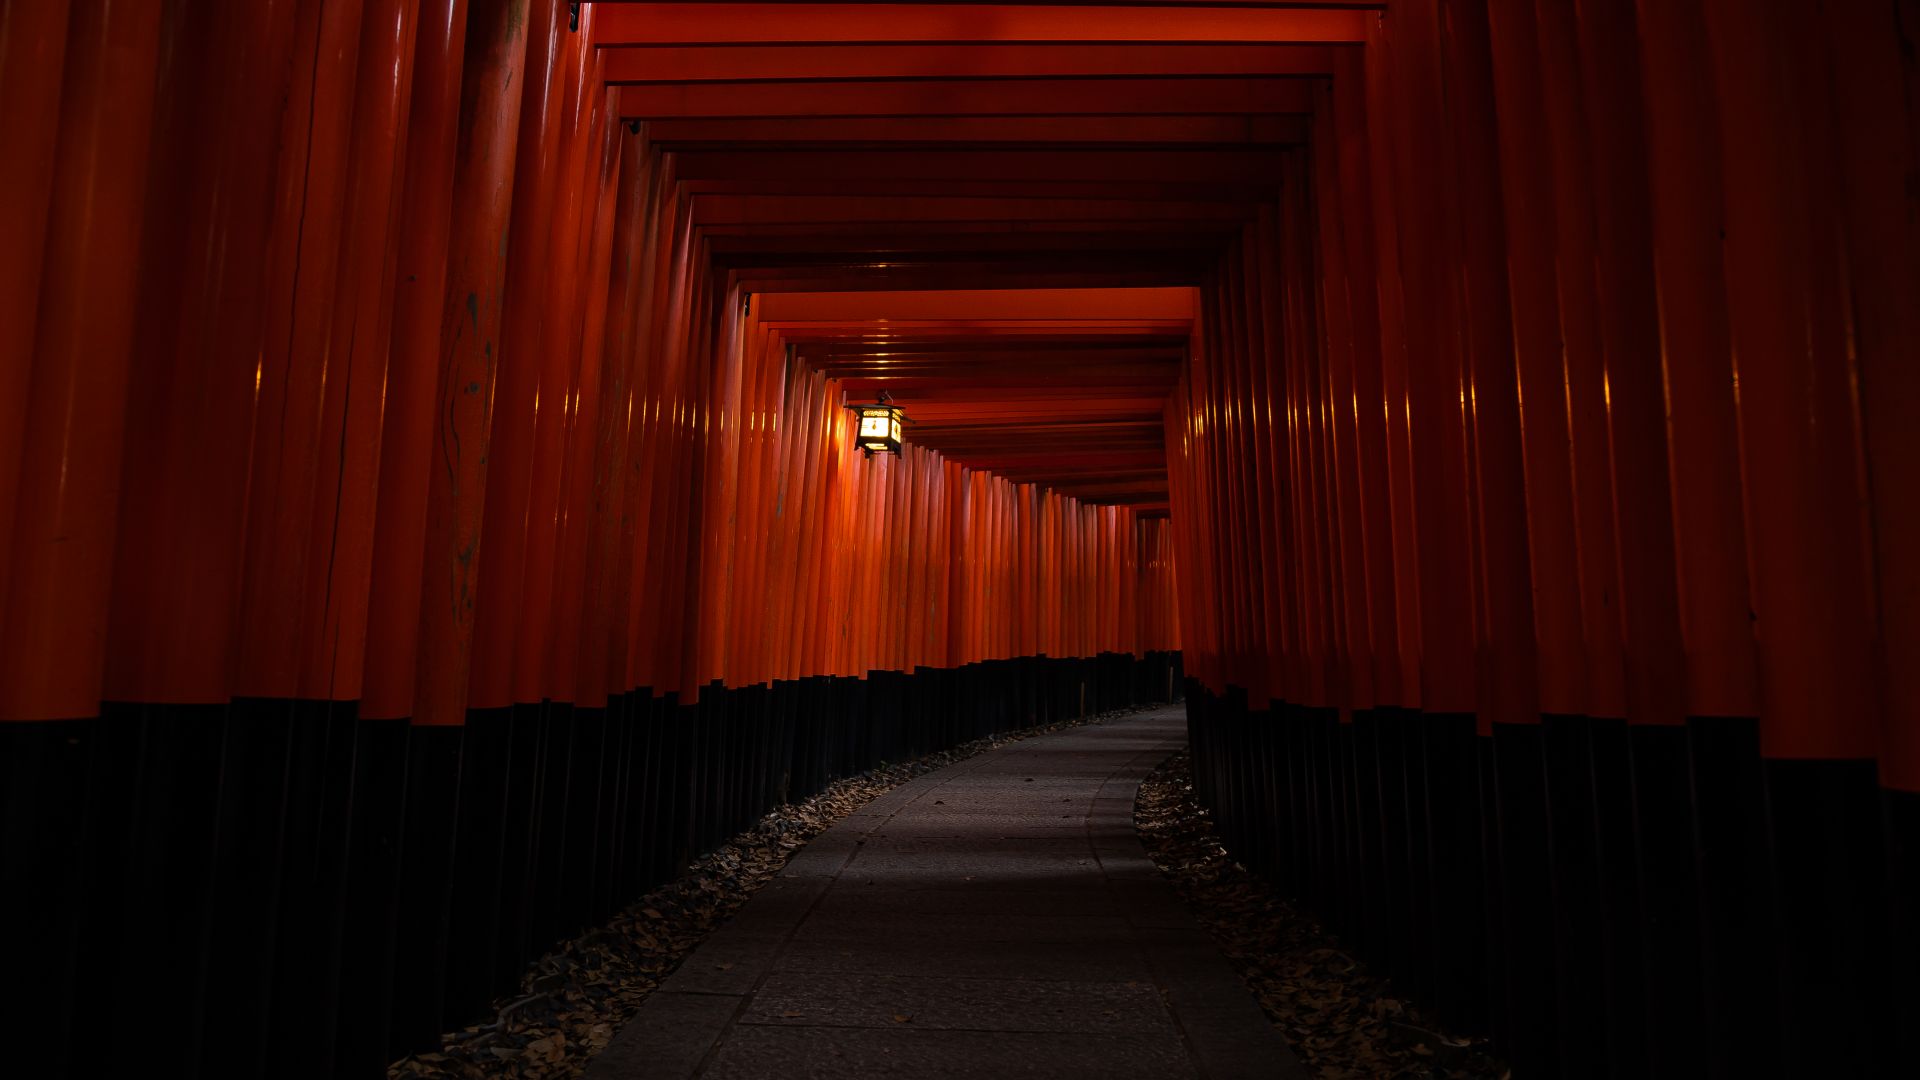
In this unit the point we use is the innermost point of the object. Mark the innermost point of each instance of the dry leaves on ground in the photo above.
(572, 1000)
(1344, 1023)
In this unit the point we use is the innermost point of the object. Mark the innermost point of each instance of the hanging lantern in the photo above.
(879, 430)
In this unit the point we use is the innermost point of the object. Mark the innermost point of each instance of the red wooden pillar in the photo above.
(594, 255)
(1523, 1009)
(1583, 375)
(799, 513)
(1808, 504)
(689, 340)
(517, 359)
(53, 632)
(1704, 446)
(1307, 420)
(721, 446)
(386, 980)
(348, 449)
(490, 98)
(1262, 340)
(691, 403)
(748, 540)
(1695, 1011)
(1797, 403)
(341, 399)
(1629, 326)
(419, 301)
(1462, 792)
(1247, 440)
(1437, 391)
(559, 297)
(610, 580)
(1439, 612)
(644, 442)
(63, 400)
(1527, 190)
(183, 508)
(1649, 994)
(32, 60)
(302, 282)
(1385, 87)
(1877, 112)
(181, 482)
(960, 556)
(1355, 686)
(1506, 691)
(1354, 213)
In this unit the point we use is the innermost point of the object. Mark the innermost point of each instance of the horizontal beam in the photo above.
(836, 63)
(878, 243)
(948, 97)
(1024, 333)
(988, 130)
(1136, 463)
(1150, 363)
(716, 211)
(1122, 304)
(1049, 233)
(935, 277)
(1255, 168)
(1086, 431)
(702, 24)
(995, 414)
(1030, 387)
(1247, 196)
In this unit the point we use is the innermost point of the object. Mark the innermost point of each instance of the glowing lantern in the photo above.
(879, 429)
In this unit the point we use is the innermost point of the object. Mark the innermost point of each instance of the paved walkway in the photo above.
(995, 918)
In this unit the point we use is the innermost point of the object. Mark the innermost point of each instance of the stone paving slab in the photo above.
(1051, 961)
(995, 918)
(796, 999)
(983, 900)
(824, 1053)
(904, 917)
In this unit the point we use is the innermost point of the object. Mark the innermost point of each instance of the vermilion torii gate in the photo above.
(427, 513)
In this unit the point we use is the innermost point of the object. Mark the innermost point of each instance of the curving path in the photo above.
(995, 918)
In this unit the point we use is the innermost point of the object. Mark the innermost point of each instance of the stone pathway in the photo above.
(995, 918)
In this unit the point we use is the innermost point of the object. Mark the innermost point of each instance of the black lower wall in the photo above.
(277, 888)
(1603, 900)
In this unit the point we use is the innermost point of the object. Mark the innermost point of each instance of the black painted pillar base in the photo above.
(1604, 900)
(279, 888)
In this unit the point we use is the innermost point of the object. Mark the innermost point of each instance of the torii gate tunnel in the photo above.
(429, 514)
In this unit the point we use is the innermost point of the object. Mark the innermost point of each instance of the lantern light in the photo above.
(879, 426)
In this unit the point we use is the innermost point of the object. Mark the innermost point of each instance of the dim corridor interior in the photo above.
(434, 506)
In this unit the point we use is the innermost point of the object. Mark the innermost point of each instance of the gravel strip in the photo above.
(1343, 1022)
(572, 1000)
